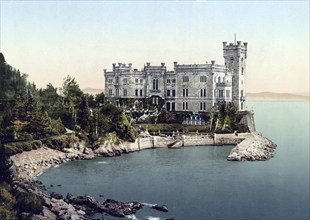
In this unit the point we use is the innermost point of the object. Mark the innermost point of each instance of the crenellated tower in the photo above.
(235, 55)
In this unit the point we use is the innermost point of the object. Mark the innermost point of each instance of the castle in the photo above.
(190, 87)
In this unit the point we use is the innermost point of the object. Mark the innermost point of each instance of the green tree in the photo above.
(72, 97)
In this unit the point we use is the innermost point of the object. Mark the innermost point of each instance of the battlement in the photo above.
(148, 67)
(234, 46)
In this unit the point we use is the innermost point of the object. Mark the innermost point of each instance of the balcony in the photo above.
(223, 84)
(155, 91)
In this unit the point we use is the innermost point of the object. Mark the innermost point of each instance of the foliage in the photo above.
(28, 202)
(7, 201)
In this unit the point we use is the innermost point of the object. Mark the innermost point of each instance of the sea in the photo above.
(198, 182)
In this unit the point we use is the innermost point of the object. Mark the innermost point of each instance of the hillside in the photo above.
(92, 91)
(277, 96)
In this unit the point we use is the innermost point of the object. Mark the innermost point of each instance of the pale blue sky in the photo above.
(49, 40)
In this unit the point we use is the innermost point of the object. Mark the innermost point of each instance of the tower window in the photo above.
(155, 84)
(168, 92)
(125, 92)
(141, 92)
(185, 79)
(173, 92)
(221, 93)
(137, 92)
(203, 79)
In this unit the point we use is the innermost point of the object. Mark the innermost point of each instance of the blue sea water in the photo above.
(198, 182)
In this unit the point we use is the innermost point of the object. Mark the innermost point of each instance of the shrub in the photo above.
(28, 202)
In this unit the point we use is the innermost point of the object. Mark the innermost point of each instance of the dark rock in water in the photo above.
(56, 195)
(121, 209)
(100, 195)
(91, 206)
(162, 208)
(52, 185)
(59, 185)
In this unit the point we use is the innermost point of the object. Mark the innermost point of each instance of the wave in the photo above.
(152, 218)
(132, 216)
(147, 204)
(57, 165)
(103, 162)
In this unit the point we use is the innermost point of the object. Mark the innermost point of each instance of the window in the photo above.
(168, 92)
(168, 106)
(185, 105)
(124, 81)
(168, 80)
(203, 79)
(110, 92)
(117, 92)
(173, 106)
(185, 92)
(202, 106)
(242, 71)
(173, 80)
(219, 79)
(227, 93)
(125, 92)
(155, 100)
(141, 93)
(117, 79)
(173, 93)
(185, 79)
(241, 92)
(221, 93)
(137, 81)
(141, 81)
(155, 84)
(203, 93)
(137, 91)
(110, 81)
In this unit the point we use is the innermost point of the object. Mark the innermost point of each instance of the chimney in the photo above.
(224, 43)
(238, 42)
(212, 62)
(148, 64)
(162, 64)
(113, 64)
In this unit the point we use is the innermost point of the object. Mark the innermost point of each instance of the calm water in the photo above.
(198, 182)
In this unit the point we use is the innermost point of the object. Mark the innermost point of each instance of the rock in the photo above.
(75, 217)
(56, 195)
(80, 212)
(162, 208)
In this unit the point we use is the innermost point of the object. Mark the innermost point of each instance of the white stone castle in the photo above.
(190, 87)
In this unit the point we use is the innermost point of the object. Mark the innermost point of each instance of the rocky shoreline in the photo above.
(27, 165)
(254, 147)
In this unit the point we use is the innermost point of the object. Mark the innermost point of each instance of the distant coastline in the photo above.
(251, 96)
(273, 96)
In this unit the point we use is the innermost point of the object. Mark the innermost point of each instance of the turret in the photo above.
(235, 55)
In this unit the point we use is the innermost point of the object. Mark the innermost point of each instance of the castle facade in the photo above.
(190, 87)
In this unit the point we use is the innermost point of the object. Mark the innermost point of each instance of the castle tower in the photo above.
(235, 55)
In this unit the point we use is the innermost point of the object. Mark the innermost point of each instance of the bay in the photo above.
(198, 182)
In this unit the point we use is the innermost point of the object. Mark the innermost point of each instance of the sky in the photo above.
(49, 40)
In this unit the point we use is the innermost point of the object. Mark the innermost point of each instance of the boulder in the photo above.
(162, 208)
(56, 195)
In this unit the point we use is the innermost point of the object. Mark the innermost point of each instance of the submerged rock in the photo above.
(162, 208)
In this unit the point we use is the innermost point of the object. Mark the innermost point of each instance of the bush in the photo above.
(28, 202)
